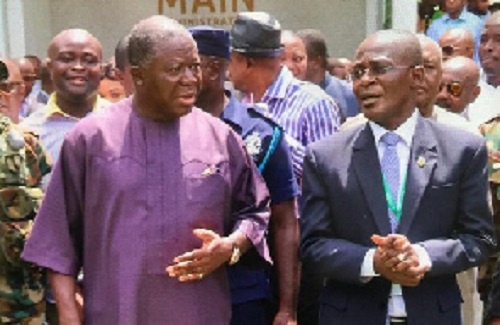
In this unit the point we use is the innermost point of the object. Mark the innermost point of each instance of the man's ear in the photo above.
(214, 70)
(250, 62)
(418, 75)
(137, 75)
(49, 66)
(475, 92)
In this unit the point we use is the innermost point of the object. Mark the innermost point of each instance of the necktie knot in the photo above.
(390, 139)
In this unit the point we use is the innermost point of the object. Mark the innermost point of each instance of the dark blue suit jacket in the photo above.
(445, 209)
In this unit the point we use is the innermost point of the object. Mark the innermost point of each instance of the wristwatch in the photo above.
(235, 255)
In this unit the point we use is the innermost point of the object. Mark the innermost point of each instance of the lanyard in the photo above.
(396, 208)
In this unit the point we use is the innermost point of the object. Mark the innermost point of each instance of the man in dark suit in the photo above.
(418, 186)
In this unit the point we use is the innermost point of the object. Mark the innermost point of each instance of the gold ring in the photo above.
(200, 276)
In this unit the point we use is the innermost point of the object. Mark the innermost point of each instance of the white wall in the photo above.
(405, 15)
(108, 20)
(37, 27)
(13, 28)
(342, 21)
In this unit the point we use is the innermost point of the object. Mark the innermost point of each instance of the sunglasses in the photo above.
(448, 50)
(29, 77)
(454, 88)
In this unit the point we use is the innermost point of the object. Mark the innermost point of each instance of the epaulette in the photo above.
(256, 112)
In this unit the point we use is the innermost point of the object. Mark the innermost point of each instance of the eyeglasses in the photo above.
(375, 70)
(8, 87)
(454, 88)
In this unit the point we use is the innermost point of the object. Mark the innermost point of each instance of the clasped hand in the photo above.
(198, 263)
(397, 260)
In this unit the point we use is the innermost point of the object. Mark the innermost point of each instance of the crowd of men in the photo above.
(205, 176)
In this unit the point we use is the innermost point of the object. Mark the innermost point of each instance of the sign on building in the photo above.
(217, 13)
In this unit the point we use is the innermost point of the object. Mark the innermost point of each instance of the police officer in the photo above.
(251, 294)
(22, 165)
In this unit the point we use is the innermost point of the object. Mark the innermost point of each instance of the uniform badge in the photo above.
(253, 143)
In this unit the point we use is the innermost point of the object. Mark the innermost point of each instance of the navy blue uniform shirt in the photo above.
(270, 152)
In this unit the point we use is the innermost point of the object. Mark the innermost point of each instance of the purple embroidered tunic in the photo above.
(123, 201)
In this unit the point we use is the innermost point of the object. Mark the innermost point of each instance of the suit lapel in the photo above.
(421, 165)
(367, 168)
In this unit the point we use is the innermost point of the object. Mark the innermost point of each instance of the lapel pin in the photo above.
(210, 170)
(421, 161)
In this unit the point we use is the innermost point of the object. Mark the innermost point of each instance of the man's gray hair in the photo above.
(148, 34)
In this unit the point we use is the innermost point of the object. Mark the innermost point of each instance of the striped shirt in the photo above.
(303, 110)
(51, 124)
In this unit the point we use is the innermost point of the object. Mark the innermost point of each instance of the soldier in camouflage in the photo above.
(491, 131)
(22, 165)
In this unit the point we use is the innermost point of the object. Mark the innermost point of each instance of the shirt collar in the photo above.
(54, 110)
(326, 81)
(280, 84)
(462, 16)
(234, 111)
(406, 131)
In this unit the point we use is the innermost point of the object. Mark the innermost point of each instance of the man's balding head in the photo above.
(386, 73)
(429, 88)
(28, 74)
(457, 42)
(165, 67)
(152, 35)
(403, 46)
(11, 91)
(339, 67)
(75, 64)
(459, 86)
(75, 35)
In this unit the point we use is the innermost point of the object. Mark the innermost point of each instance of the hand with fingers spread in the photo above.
(199, 263)
(397, 260)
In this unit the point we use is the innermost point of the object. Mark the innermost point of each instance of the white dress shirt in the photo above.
(406, 131)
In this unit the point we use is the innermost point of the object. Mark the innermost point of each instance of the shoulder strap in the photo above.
(272, 147)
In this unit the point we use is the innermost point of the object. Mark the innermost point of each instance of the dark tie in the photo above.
(390, 170)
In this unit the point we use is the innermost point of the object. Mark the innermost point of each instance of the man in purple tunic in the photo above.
(149, 187)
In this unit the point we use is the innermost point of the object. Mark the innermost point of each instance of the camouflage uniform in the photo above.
(491, 131)
(22, 285)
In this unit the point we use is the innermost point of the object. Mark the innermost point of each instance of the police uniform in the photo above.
(22, 165)
(250, 290)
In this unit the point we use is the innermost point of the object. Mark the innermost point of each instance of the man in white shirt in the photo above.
(459, 85)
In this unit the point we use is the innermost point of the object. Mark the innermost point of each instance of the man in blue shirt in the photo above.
(266, 145)
(457, 16)
(317, 73)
